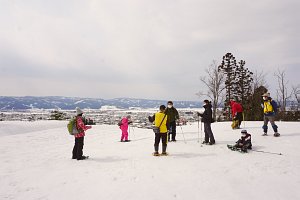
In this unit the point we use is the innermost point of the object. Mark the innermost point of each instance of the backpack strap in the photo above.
(162, 120)
(78, 128)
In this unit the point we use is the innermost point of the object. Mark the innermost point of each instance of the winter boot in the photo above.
(155, 153)
(264, 134)
(276, 134)
(83, 158)
(164, 148)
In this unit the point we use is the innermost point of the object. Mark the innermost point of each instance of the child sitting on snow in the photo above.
(244, 143)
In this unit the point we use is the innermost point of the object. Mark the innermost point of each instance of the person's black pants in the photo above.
(77, 150)
(172, 130)
(163, 137)
(239, 116)
(209, 136)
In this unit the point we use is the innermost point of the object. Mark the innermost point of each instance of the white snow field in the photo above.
(36, 164)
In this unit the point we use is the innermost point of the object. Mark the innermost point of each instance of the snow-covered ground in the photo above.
(36, 164)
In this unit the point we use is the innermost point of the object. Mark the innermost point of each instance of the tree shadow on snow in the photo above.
(257, 147)
(190, 155)
(290, 135)
(145, 138)
(107, 159)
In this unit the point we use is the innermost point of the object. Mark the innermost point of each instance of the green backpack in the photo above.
(72, 128)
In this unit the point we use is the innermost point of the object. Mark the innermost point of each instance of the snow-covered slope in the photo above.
(36, 164)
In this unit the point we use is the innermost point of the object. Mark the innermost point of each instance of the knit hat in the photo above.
(162, 107)
(170, 102)
(78, 111)
(244, 131)
(206, 101)
(266, 94)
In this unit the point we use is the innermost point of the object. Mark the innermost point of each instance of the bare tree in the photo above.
(259, 79)
(214, 80)
(282, 92)
(296, 94)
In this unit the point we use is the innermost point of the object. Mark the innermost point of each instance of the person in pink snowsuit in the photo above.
(124, 127)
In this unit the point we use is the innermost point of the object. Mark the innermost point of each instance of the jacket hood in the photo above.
(207, 106)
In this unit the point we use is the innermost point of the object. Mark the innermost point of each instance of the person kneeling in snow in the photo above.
(245, 142)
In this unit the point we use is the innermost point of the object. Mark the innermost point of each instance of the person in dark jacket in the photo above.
(207, 120)
(245, 142)
(173, 115)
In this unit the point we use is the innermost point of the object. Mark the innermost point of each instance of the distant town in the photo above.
(109, 115)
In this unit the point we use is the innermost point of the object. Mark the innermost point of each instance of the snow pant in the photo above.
(124, 135)
(164, 138)
(172, 130)
(209, 136)
(272, 121)
(239, 117)
(244, 146)
(77, 150)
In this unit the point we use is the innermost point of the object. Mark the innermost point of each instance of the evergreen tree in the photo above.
(255, 111)
(57, 115)
(242, 83)
(228, 67)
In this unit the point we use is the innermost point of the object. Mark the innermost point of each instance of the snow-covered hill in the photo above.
(36, 164)
(53, 102)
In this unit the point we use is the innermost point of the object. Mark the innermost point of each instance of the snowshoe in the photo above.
(155, 154)
(276, 134)
(125, 140)
(232, 147)
(264, 134)
(83, 158)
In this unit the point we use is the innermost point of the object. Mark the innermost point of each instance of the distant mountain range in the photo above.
(68, 103)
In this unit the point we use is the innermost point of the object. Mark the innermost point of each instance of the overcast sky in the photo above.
(153, 49)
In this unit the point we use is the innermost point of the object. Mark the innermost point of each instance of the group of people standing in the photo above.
(165, 120)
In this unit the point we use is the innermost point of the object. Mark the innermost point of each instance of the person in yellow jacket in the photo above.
(161, 122)
(270, 110)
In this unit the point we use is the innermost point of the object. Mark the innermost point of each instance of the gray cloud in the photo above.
(136, 48)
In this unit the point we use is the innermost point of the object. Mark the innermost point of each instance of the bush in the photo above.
(288, 116)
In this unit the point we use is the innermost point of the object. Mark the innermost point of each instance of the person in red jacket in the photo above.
(237, 112)
(79, 137)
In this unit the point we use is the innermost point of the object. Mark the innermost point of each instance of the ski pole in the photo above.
(201, 133)
(198, 129)
(182, 134)
(129, 132)
(280, 154)
(244, 119)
